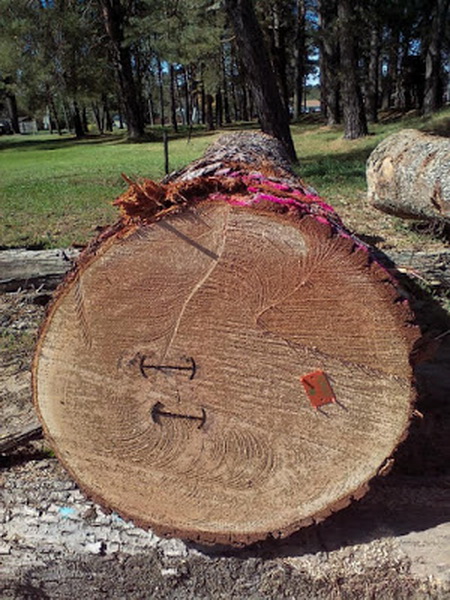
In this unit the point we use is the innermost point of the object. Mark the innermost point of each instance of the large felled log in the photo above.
(408, 175)
(227, 362)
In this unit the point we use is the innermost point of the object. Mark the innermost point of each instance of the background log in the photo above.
(408, 175)
(12, 441)
(168, 372)
(21, 268)
(432, 268)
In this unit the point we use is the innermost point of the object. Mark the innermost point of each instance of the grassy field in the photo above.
(55, 191)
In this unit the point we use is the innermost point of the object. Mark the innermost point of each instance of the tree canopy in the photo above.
(76, 64)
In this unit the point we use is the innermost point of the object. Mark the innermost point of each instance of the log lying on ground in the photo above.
(408, 175)
(431, 267)
(13, 441)
(170, 372)
(20, 268)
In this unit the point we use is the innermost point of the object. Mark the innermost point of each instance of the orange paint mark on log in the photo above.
(318, 388)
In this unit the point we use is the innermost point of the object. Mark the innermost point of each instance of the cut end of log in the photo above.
(170, 374)
(408, 176)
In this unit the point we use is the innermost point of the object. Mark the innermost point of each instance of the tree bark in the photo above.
(219, 108)
(278, 51)
(27, 268)
(173, 108)
(272, 113)
(329, 62)
(408, 176)
(355, 123)
(12, 441)
(209, 112)
(53, 111)
(11, 103)
(225, 86)
(115, 18)
(433, 61)
(373, 74)
(98, 118)
(175, 353)
(161, 94)
(77, 121)
(187, 101)
(299, 57)
(390, 80)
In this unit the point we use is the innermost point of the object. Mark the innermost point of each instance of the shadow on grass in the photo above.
(348, 166)
(155, 135)
(25, 143)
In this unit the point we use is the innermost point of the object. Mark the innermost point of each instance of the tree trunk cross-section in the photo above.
(168, 372)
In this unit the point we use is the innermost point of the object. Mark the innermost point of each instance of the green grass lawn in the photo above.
(55, 191)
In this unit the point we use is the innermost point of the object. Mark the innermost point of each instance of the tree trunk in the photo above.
(53, 111)
(219, 108)
(433, 61)
(401, 89)
(203, 102)
(329, 62)
(227, 362)
(209, 112)
(271, 110)
(161, 94)
(106, 113)
(77, 122)
(244, 103)
(98, 118)
(408, 176)
(299, 57)
(115, 16)
(390, 80)
(11, 103)
(173, 104)
(235, 103)
(226, 101)
(278, 52)
(372, 75)
(84, 120)
(187, 101)
(353, 107)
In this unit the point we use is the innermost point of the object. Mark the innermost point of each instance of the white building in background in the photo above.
(27, 125)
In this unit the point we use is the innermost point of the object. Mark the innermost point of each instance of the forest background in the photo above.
(84, 65)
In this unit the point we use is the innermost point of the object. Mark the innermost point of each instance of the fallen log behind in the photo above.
(21, 268)
(227, 362)
(32, 268)
(12, 441)
(408, 175)
(433, 268)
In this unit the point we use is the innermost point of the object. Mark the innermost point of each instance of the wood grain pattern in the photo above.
(256, 298)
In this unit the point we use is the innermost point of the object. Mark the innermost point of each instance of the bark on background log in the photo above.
(408, 175)
(26, 268)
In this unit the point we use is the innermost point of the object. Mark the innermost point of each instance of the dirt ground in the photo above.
(54, 543)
